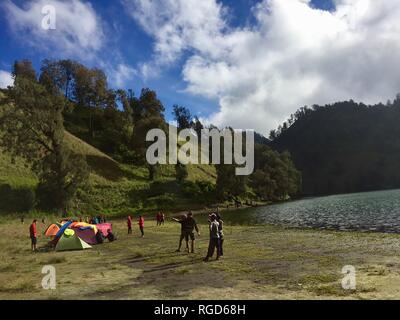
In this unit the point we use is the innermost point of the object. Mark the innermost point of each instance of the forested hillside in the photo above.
(344, 147)
(71, 143)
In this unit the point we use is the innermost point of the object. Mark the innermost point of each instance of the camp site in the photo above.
(199, 150)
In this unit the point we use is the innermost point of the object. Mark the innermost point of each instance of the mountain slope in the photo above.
(113, 188)
(345, 147)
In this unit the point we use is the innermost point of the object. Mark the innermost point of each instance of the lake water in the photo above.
(369, 211)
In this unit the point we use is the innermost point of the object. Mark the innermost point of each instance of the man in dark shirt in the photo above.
(189, 226)
(182, 222)
(110, 236)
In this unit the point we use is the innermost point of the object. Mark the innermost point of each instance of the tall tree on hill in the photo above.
(229, 185)
(182, 117)
(197, 126)
(60, 76)
(24, 69)
(148, 114)
(32, 127)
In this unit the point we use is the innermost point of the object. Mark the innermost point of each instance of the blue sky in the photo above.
(243, 63)
(132, 44)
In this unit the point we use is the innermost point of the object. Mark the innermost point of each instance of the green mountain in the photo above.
(344, 147)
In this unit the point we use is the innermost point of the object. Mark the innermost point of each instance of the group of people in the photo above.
(94, 220)
(160, 217)
(140, 223)
(188, 228)
(189, 225)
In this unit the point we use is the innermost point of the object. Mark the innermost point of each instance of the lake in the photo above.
(369, 211)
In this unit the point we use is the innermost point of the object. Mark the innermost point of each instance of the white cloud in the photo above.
(5, 79)
(78, 29)
(120, 75)
(294, 55)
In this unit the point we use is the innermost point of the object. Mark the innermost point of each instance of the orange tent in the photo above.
(52, 230)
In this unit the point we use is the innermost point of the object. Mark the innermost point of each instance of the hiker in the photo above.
(162, 219)
(99, 237)
(129, 224)
(22, 219)
(141, 225)
(158, 218)
(33, 235)
(110, 236)
(189, 226)
(221, 234)
(214, 237)
(182, 221)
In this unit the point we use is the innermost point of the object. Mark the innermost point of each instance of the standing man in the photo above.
(189, 226)
(182, 221)
(162, 221)
(33, 235)
(129, 224)
(221, 234)
(214, 238)
(158, 218)
(141, 225)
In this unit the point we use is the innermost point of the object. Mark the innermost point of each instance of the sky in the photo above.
(248, 64)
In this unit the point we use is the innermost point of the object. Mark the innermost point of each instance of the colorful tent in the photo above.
(87, 234)
(103, 227)
(52, 230)
(64, 227)
(70, 241)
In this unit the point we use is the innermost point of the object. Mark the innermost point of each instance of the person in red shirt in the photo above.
(33, 235)
(141, 225)
(158, 217)
(129, 224)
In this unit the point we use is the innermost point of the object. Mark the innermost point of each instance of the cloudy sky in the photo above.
(244, 63)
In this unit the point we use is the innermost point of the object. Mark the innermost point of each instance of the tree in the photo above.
(197, 126)
(181, 172)
(32, 127)
(59, 76)
(24, 69)
(183, 117)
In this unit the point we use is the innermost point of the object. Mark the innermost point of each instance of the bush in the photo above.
(16, 200)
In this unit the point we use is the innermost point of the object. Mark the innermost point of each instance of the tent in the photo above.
(64, 227)
(70, 241)
(87, 234)
(52, 230)
(103, 227)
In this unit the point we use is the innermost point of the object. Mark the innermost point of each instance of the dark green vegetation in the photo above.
(344, 147)
(72, 144)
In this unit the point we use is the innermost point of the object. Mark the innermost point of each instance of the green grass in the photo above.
(114, 189)
(258, 264)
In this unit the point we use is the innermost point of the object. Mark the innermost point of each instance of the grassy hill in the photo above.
(114, 188)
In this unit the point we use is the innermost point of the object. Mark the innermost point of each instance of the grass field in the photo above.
(260, 262)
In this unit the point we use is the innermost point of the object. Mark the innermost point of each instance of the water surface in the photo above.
(368, 211)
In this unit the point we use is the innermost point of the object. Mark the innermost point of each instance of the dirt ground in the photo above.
(260, 262)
